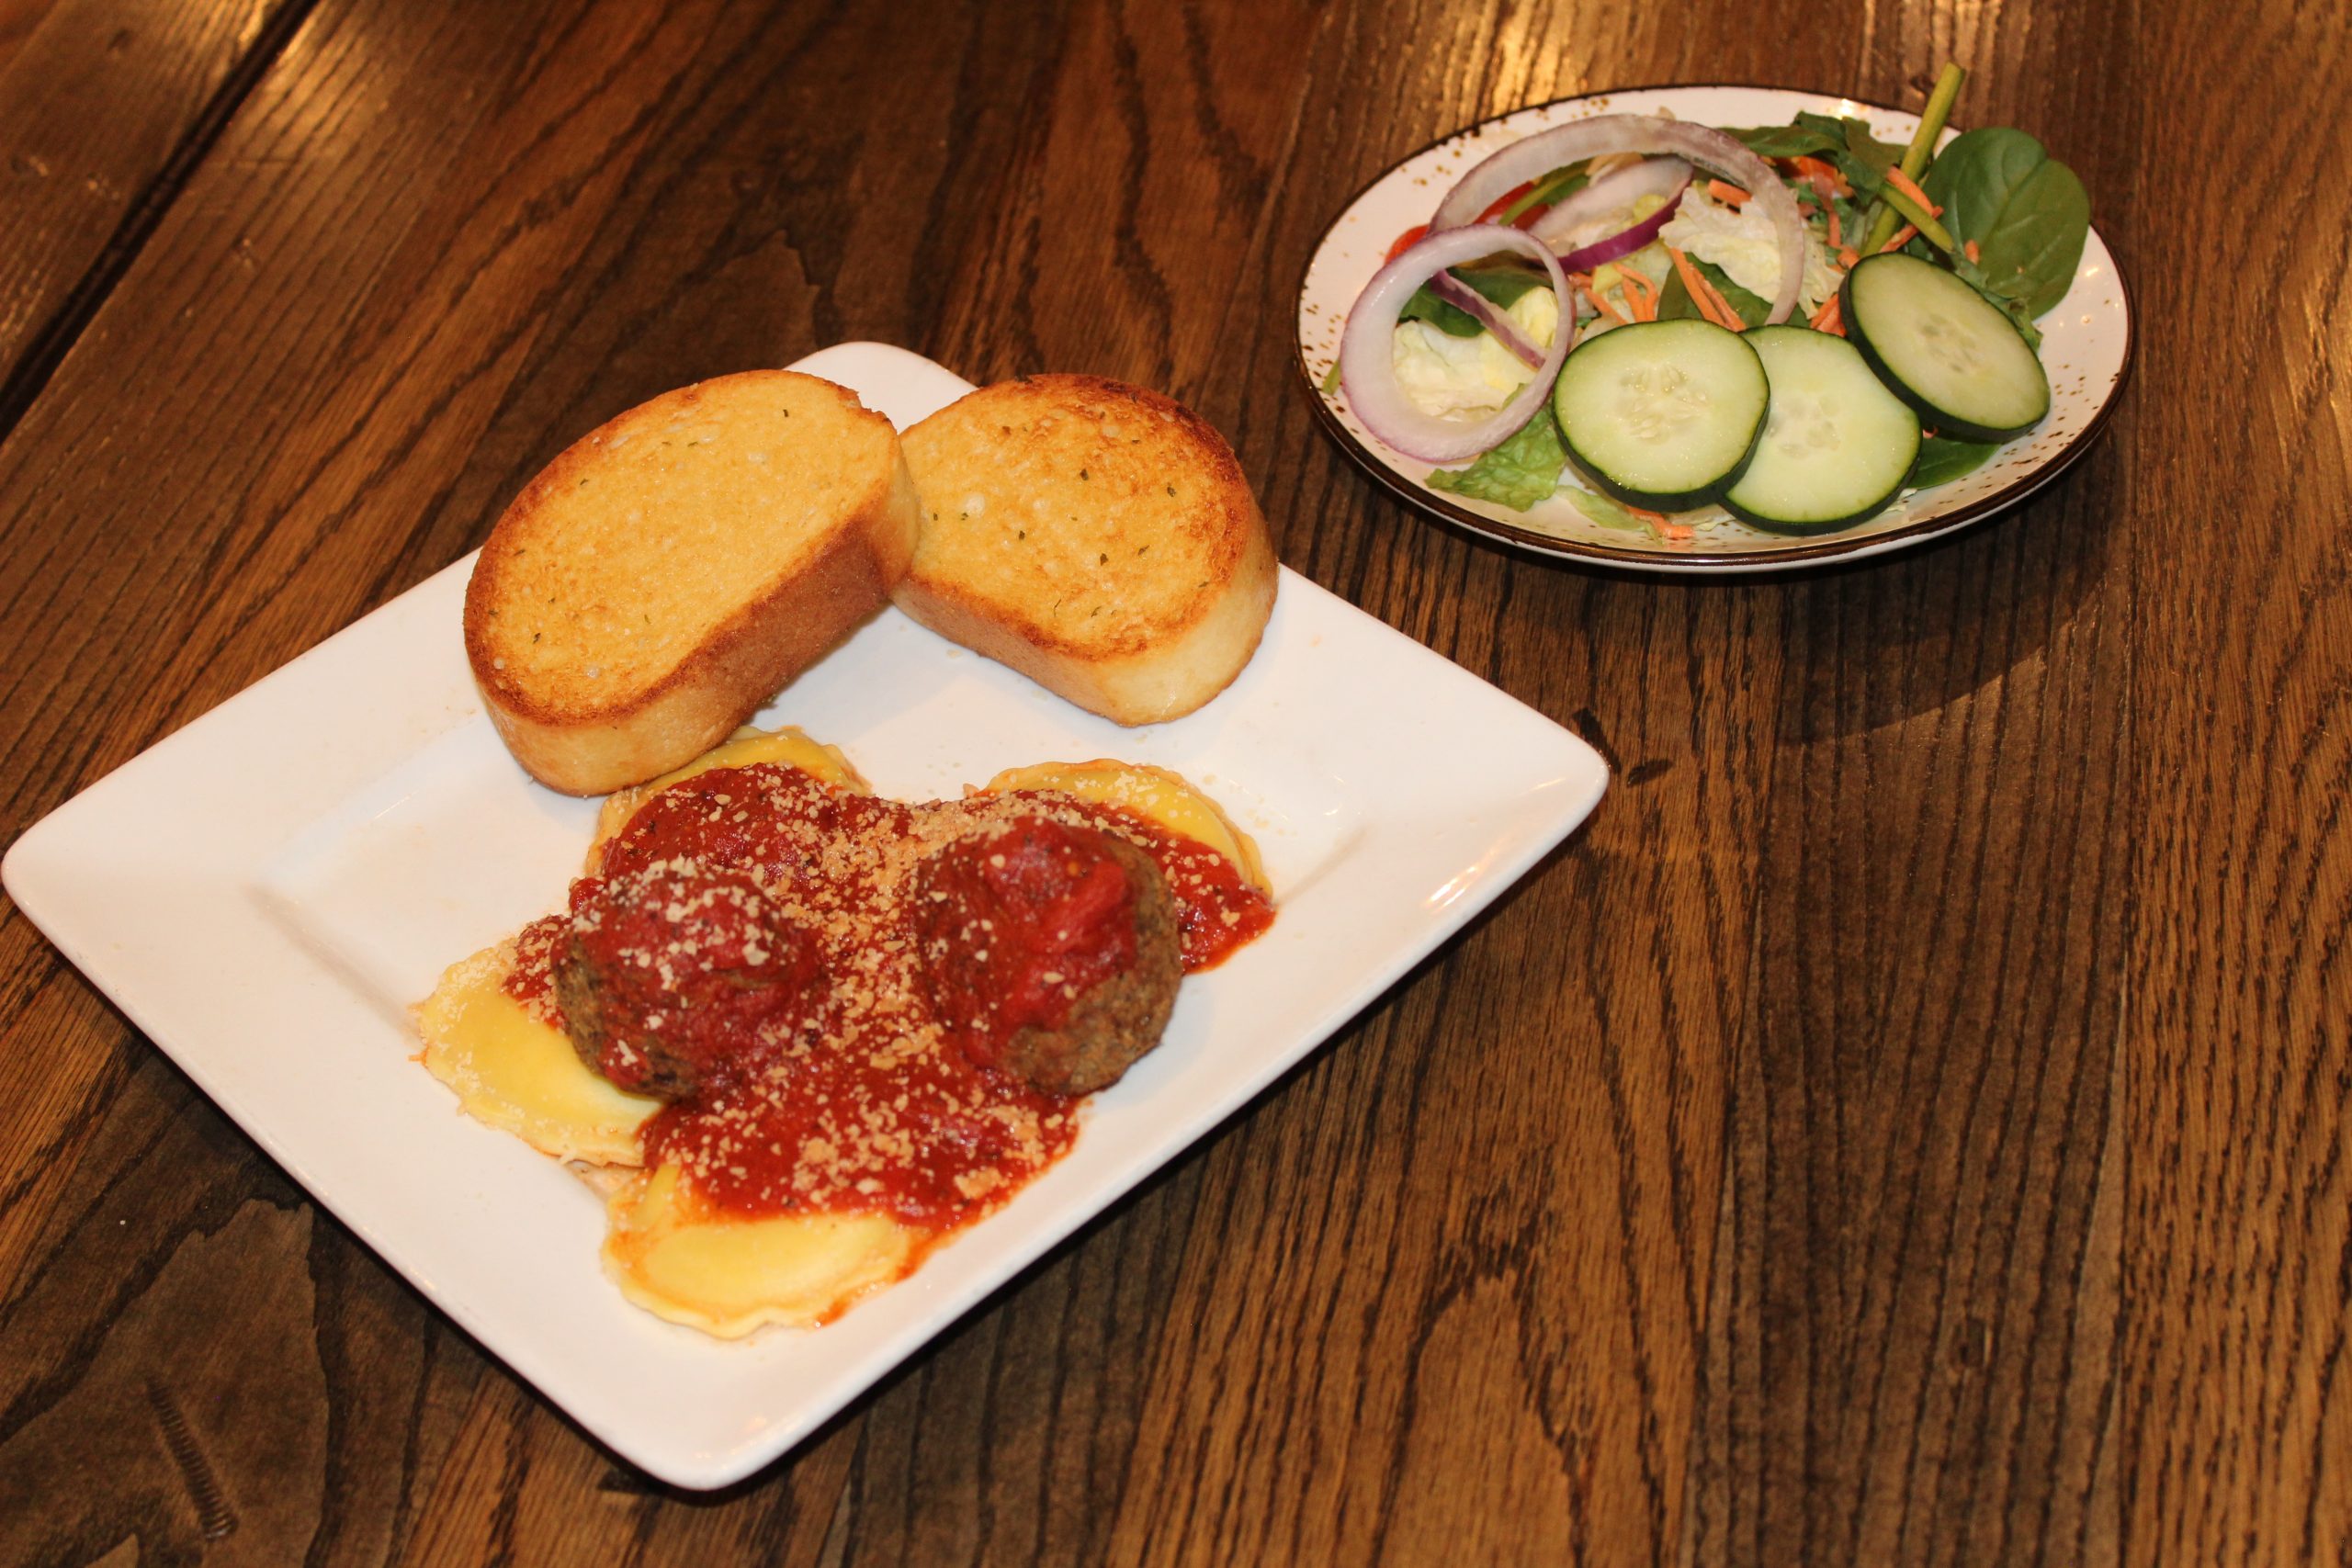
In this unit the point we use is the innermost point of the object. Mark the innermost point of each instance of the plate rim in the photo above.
(1791, 556)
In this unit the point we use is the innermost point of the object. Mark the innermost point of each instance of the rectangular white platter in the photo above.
(268, 892)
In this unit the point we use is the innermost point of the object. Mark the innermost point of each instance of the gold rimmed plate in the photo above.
(2086, 348)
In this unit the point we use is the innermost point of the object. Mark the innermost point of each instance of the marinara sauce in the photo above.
(873, 1107)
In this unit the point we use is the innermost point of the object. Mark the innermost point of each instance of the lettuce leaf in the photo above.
(1520, 471)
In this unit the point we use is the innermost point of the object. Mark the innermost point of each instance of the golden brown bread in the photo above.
(671, 570)
(1098, 537)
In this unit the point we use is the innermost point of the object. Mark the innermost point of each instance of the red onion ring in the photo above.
(1662, 178)
(1368, 355)
(1534, 156)
(1623, 243)
(1488, 314)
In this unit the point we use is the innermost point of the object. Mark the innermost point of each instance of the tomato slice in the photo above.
(1406, 241)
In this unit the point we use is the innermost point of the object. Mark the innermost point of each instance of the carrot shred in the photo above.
(1715, 298)
(1830, 317)
(1836, 241)
(1730, 195)
(1901, 238)
(1601, 305)
(1695, 285)
(1665, 527)
(1847, 259)
(1825, 176)
(1641, 294)
(1705, 295)
(1910, 187)
(1969, 251)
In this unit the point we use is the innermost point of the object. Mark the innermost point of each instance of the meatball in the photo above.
(1050, 950)
(676, 980)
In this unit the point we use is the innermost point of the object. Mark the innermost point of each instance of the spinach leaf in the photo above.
(1518, 473)
(2027, 213)
(1674, 301)
(1502, 285)
(1862, 158)
(1942, 460)
(1868, 149)
(1787, 140)
(2033, 248)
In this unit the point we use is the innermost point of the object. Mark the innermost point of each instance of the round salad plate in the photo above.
(2085, 347)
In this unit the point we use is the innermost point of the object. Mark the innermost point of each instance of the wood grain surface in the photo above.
(1906, 1124)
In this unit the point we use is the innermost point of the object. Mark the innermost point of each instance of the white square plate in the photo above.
(267, 891)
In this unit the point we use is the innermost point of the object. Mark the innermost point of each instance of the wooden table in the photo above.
(1907, 1124)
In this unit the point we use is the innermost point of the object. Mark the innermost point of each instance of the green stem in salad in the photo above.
(1922, 148)
(1901, 206)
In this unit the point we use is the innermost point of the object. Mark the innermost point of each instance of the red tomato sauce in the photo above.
(865, 1104)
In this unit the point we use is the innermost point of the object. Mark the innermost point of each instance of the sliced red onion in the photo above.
(1623, 243)
(1489, 315)
(1368, 353)
(1611, 193)
(1534, 156)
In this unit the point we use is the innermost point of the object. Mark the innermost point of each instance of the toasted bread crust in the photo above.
(589, 739)
(1077, 480)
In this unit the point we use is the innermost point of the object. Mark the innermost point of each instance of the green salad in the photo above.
(1665, 323)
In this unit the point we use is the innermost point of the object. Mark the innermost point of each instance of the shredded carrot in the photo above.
(1700, 295)
(1665, 526)
(1824, 177)
(1730, 195)
(1641, 294)
(1836, 241)
(1715, 298)
(1969, 251)
(1705, 295)
(1847, 259)
(1602, 305)
(1901, 238)
(1909, 186)
(1830, 317)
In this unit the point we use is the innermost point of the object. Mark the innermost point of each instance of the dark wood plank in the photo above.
(105, 107)
(2236, 1377)
(1915, 1330)
(17, 20)
(1921, 1287)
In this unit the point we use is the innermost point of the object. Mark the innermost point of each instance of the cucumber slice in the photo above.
(1944, 348)
(1662, 414)
(1838, 445)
